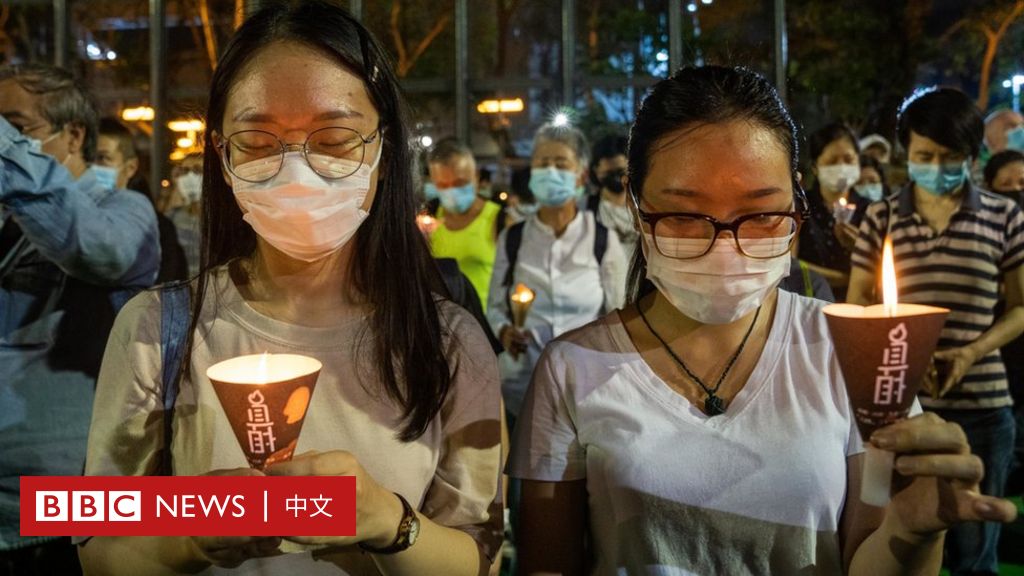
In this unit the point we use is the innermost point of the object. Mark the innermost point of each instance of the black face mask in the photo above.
(1017, 195)
(612, 181)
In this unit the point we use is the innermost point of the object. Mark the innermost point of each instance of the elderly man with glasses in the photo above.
(73, 247)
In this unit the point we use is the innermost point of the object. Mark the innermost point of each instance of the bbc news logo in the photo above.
(187, 506)
(88, 506)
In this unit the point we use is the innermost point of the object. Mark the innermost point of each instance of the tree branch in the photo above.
(1018, 8)
(439, 27)
(396, 36)
(211, 39)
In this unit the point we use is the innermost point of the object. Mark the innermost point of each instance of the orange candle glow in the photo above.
(426, 223)
(889, 293)
(265, 398)
(522, 299)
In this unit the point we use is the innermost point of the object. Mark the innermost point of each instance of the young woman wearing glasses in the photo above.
(310, 246)
(704, 428)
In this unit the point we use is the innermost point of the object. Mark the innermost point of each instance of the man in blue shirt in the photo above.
(72, 247)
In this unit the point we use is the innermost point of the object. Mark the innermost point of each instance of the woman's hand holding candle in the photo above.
(936, 484)
(231, 551)
(378, 510)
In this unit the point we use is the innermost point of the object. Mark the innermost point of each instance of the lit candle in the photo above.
(522, 299)
(261, 370)
(843, 210)
(426, 223)
(884, 351)
(265, 398)
(889, 293)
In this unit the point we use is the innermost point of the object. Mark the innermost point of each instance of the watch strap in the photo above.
(401, 541)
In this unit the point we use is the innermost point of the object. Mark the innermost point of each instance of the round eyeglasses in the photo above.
(333, 153)
(685, 236)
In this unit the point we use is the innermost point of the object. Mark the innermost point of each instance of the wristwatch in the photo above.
(408, 531)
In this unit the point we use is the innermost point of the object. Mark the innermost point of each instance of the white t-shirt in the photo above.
(757, 490)
(450, 476)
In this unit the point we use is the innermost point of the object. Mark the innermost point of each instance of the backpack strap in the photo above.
(600, 241)
(513, 239)
(175, 307)
(593, 204)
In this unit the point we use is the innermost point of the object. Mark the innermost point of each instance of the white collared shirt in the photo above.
(571, 289)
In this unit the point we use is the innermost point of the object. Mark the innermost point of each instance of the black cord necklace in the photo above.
(713, 405)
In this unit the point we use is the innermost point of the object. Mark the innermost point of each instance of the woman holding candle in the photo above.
(705, 427)
(311, 247)
(835, 207)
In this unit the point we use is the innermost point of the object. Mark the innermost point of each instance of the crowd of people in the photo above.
(670, 402)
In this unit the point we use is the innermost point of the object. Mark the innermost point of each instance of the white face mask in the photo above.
(838, 177)
(190, 186)
(299, 212)
(720, 287)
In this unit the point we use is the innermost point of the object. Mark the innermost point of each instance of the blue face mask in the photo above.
(457, 199)
(36, 145)
(554, 187)
(872, 192)
(430, 191)
(1015, 139)
(105, 175)
(938, 179)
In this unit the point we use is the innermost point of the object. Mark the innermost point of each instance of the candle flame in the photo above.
(889, 297)
(262, 372)
(842, 201)
(425, 219)
(522, 294)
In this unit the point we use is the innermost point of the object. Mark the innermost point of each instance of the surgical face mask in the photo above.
(613, 181)
(720, 287)
(105, 175)
(838, 177)
(938, 179)
(456, 199)
(554, 187)
(430, 191)
(36, 145)
(872, 191)
(298, 211)
(190, 186)
(1015, 139)
(521, 212)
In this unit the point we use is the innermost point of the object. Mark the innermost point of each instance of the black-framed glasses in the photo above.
(257, 156)
(685, 235)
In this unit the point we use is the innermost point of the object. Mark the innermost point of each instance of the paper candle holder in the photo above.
(883, 354)
(265, 398)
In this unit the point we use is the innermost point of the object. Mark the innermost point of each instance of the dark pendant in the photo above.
(713, 405)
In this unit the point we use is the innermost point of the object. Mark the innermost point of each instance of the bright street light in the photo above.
(1015, 82)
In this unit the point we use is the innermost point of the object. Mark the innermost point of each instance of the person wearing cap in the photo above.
(876, 146)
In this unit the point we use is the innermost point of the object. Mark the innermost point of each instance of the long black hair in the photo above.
(391, 268)
(694, 97)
